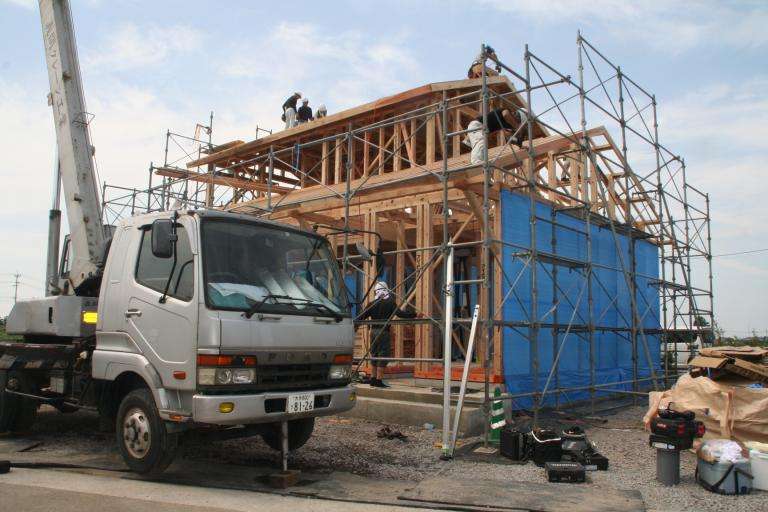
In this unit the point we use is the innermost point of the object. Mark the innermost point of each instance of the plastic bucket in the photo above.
(759, 463)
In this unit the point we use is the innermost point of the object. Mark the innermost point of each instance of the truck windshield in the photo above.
(262, 269)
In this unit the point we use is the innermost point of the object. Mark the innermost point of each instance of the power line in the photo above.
(738, 253)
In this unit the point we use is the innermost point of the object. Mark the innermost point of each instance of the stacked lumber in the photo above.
(718, 362)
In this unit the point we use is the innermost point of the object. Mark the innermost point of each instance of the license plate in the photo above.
(300, 403)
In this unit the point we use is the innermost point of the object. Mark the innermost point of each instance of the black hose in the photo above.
(6, 465)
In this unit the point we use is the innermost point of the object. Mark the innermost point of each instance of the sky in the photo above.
(152, 66)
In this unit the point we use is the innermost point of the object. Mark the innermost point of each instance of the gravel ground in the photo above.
(351, 445)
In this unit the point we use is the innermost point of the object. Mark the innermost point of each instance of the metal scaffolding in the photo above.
(616, 176)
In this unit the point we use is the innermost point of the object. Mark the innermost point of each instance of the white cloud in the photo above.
(27, 4)
(348, 67)
(673, 27)
(132, 46)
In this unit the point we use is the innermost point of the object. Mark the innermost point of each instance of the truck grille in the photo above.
(293, 376)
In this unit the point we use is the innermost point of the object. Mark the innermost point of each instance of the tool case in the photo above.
(546, 446)
(515, 444)
(571, 472)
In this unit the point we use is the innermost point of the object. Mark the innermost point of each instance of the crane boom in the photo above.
(75, 152)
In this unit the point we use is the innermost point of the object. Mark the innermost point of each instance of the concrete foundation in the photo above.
(415, 406)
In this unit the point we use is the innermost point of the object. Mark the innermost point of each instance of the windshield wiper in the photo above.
(257, 305)
(309, 302)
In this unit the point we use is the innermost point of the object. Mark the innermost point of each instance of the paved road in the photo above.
(40, 490)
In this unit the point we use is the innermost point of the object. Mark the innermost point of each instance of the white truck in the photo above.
(173, 321)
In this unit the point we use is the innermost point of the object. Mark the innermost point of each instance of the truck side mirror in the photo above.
(163, 238)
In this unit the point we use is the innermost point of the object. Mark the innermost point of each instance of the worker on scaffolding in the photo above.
(321, 111)
(478, 65)
(383, 308)
(289, 110)
(305, 112)
(511, 122)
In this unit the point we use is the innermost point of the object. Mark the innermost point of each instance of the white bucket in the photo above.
(759, 462)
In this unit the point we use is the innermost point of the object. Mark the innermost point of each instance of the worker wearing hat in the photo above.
(305, 111)
(382, 308)
(321, 111)
(289, 110)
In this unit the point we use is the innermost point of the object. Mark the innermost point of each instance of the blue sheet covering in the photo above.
(611, 304)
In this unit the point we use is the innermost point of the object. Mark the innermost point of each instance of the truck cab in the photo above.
(212, 319)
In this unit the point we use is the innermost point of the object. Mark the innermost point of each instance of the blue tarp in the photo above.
(611, 303)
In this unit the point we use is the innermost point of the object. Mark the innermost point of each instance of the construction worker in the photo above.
(305, 112)
(289, 110)
(499, 119)
(321, 111)
(477, 67)
(382, 308)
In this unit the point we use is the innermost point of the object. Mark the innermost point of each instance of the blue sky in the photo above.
(149, 66)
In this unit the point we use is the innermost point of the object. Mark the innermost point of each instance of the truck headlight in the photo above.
(243, 376)
(223, 376)
(339, 372)
(222, 370)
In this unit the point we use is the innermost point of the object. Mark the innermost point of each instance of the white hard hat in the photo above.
(321, 107)
(305, 100)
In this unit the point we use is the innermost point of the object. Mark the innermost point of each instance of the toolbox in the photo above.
(546, 446)
(515, 444)
(572, 472)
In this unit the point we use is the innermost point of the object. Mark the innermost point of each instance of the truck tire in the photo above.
(7, 405)
(299, 432)
(146, 446)
(17, 414)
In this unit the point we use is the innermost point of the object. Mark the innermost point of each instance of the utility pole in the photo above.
(16, 277)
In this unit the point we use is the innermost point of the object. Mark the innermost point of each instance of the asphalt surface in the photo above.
(41, 490)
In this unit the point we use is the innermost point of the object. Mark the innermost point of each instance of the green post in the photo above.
(497, 417)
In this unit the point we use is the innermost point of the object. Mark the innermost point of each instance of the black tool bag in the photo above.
(577, 448)
(515, 444)
(546, 446)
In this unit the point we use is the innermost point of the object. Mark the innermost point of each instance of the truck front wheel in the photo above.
(299, 432)
(146, 446)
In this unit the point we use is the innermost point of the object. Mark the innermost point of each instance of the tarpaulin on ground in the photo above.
(562, 298)
(729, 409)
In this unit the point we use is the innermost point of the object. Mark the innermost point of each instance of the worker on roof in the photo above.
(321, 111)
(510, 121)
(382, 308)
(477, 66)
(289, 110)
(305, 111)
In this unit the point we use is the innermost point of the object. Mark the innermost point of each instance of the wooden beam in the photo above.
(220, 179)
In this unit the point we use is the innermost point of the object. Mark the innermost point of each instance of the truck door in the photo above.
(165, 331)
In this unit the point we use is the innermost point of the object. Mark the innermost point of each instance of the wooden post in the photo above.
(337, 161)
(396, 163)
(324, 164)
(366, 152)
(431, 139)
(382, 142)
(399, 278)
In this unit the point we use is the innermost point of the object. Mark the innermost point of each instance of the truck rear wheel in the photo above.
(144, 443)
(299, 432)
(17, 414)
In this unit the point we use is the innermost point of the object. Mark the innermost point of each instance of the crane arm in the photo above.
(75, 152)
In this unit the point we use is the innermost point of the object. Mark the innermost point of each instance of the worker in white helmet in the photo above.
(383, 308)
(321, 111)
